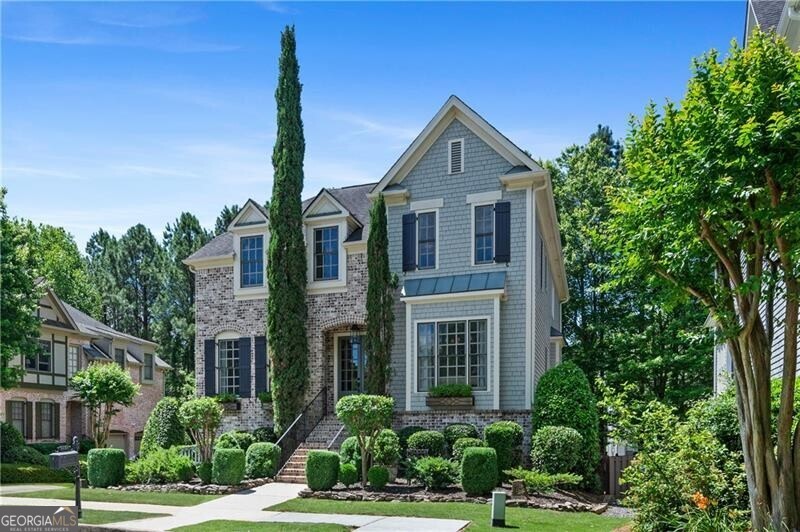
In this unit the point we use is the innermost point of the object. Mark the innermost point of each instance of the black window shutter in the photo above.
(29, 420)
(9, 419)
(261, 363)
(409, 242)
(502, 228)
(38, 433)
(244, 366)
(210, 349)
(56, 420)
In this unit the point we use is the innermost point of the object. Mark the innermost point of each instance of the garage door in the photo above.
(117, 440)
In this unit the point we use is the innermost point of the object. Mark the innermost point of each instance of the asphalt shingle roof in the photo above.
(219, 246)
(768, 13)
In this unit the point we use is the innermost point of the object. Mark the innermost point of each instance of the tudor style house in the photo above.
(44, 409)
(474, 240)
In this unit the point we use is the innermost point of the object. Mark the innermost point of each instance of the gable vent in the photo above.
(456, 156)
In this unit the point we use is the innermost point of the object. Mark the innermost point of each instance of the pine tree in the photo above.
(380, 313)
(286, 267)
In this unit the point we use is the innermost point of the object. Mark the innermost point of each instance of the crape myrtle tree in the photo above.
(286, 266)
(380, 301)
(365, 416)
(710, 206)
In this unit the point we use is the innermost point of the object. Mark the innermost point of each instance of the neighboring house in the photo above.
(783, 17)
(474, 239)
(44, 409)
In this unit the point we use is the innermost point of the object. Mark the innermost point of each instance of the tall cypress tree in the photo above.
(286, 267)
(380, 313)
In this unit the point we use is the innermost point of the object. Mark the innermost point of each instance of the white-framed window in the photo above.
(426, 240)
(119, 357)
(228, 365)
(483, 237)
(45, 421)
(455, 156)
(452, 352)
(251, 265)
(147, 368)
(41, 361)
(73, 360)
(326, 253)
(18, 415)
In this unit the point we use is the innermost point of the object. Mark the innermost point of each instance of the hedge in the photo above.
(205, 471)
(556, 450)
(10, 438)
(479, 470)
(163, 428)
(261, 460)
(106, 467)
(427, 440)
(265, 434)
(235, 439)
(322, 470)
(456, 431)
(160, 466)
(46, 447)
(378, 477)
(564, 398)
(227, 466)
(348, 474)
(505, 437)
(33, 474)
(26, 455)
(465, 443)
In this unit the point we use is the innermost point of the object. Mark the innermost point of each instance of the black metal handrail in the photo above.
(303, 424)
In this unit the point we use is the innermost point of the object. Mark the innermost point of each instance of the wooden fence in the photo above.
(612, 468)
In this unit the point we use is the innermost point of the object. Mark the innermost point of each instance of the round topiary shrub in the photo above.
(564, 398)
(227, 466)
(505, 437)
(265, 434)
(404, 434)
(261, 460)
(348, 474)
(465, 443)
(556, 450)
(163, 428)
(378, 477)
(479, 470)
(106, 467)
(456, 431)
(427, 440)
(350, 453)
(436, 472)
(235, 439)
(386, 449)
(322, 470)
(10, 438)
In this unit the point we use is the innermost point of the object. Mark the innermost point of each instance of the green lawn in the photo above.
(244, 526)
(101, 517)
(479, 514)
(105, 495)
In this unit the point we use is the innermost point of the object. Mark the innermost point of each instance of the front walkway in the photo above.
(247, 506)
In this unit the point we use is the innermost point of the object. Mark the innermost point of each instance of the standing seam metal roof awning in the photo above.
(454, 284)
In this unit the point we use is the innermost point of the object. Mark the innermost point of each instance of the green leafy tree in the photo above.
(141, 261)
(709, 207)
(286, 267)
(200, 418)
(19, 295)
(225, 218)
(104, 388)
(380, 301)
(365, 416)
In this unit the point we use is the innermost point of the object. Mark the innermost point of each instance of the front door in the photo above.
(352, 365)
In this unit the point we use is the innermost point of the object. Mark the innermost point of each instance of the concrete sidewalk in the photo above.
(247, 506)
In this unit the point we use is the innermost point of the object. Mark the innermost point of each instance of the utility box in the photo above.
(63, 459)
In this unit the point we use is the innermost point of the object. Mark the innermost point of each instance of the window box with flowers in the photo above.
(446, 396)
(230, 402)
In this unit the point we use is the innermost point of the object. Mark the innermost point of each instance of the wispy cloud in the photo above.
(135, 169)
(12, 172)
(369, 126)
(278, 7)
(155, 16)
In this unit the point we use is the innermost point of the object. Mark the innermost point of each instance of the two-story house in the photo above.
(44, 409)
(474, 239)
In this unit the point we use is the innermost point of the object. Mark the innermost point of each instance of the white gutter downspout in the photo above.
(530, 337)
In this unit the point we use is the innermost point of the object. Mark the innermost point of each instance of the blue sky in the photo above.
(120, 113)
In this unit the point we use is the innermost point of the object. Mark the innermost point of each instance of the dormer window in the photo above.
(252, 261)
(455, 156)
(326, 253)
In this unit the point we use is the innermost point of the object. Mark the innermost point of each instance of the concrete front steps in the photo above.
(326, 435)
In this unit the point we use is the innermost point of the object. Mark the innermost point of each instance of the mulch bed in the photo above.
(560, 500)
(194, 486)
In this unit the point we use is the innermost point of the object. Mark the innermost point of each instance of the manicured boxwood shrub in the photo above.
(479, 470)
(205, 471)
(386, 449)
(436, 472)
(456, 431)
(27, 455)
(404, 434)
(265, 434)
(556, 450)
(33, 474)
(348, 474)
(163, 428)
(227, 466)
(378, 477)
(505, 437)
(322, 470)
(46, 447)
(235, 439)
(106, 467)
(564, 398)
(427, 440)
(160, 466)
(261, 460)
(465, 443)
(350, 453)
(10, 438)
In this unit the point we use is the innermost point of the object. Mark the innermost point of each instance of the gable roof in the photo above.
(455, 108)
(250, 208)
(91, 327)
(219, 246)
(354, 198)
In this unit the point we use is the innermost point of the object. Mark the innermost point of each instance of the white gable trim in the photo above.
(249, 215)
(325, 197)
(454, 109)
